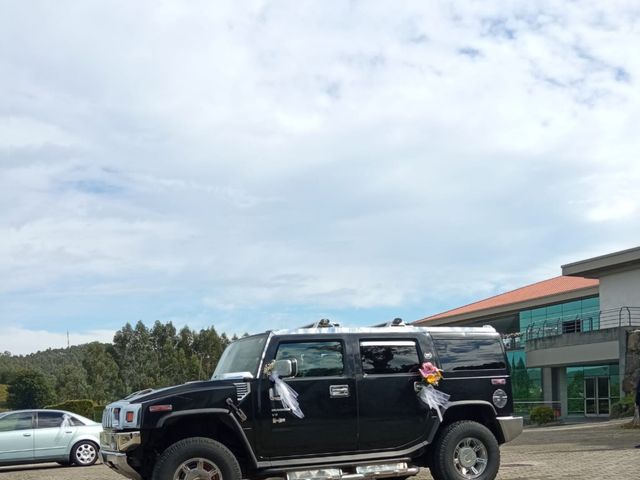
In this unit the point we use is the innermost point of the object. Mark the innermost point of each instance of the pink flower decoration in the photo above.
(428, 368)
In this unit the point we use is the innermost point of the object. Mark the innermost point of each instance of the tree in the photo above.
(102, 373)
(71, 383)
(29, 389)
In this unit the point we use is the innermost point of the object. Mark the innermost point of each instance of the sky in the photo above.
(256, 165)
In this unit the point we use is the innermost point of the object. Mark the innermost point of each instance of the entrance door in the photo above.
(597, 401)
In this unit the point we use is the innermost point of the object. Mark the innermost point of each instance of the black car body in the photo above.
(357, 390)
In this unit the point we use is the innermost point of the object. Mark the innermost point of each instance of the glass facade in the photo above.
(574, 316)
(526, 382)
(592, 389)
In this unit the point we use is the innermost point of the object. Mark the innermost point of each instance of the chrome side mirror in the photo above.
(286, 368)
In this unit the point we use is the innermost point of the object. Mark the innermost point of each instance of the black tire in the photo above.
(84, 453)
(194, 454)
(64, 464)
(465, 450)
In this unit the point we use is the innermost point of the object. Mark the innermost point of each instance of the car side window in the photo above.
(75, 421)
(389, 356)
(314, 359)
(50, 419)
(16, 421)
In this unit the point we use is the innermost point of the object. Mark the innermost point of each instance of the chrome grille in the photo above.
(107, 417)
(242, 389)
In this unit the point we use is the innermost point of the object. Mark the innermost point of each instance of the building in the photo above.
(567, 337)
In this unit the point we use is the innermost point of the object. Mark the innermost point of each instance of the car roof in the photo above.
(482, 331)
(86, 420)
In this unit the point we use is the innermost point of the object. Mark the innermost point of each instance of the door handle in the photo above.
(338, 391)
(26, 434)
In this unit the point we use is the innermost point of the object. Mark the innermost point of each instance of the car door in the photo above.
(16, 437)
(326, 396)
(390, 414)
(53, 435)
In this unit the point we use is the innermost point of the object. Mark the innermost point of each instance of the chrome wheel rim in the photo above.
(197, 469)
(86, 453)
(470, 458)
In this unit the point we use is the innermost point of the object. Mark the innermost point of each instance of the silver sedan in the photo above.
(35, 436)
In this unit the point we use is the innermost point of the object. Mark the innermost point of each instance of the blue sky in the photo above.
(266, 164)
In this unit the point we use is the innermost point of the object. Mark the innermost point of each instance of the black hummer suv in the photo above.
(357, 390)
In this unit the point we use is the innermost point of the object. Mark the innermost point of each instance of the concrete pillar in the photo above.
(562, 392)
(547, 384)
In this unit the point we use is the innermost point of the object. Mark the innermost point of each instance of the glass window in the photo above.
(241, 356)
(16, 421)
(314, 359)
(470, 354)
(76, 422)
(379, 357)
(50, 419)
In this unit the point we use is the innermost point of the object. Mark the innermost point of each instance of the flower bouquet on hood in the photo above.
(435, 399)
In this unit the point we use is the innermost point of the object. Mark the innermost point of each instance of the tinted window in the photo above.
(470, 354)
(314, 359)
(16, 421)
(50, 419)
(389, 357)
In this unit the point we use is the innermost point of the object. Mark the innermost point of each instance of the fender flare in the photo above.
(464, 403)
(219, 412)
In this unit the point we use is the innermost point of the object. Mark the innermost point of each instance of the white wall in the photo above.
(620, 290)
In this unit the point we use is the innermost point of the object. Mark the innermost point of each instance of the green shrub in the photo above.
(624, 408)
(81, 407)
(541, 415)
(3, 396)
(97, 413)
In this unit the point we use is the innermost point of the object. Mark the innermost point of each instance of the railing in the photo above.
(604, 319)
(524, 408)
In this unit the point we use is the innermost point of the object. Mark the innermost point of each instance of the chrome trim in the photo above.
(118, 462)
(119, 441)
(242, 390)
(511, 427)
(338, 391)
(110, 421)
(264, 353)
(365, 471)
(487, 330)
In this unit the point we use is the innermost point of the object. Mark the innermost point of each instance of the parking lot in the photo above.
(594, 451)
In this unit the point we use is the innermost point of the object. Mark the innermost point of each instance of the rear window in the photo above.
(459, 354)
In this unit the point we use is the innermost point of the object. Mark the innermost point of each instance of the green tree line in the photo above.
(139, 357)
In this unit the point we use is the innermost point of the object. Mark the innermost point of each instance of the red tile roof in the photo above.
(546, 288)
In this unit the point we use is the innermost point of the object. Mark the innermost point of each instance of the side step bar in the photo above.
(356, 472)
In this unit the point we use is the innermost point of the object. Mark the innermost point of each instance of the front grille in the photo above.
(242, 390)
(107, 418)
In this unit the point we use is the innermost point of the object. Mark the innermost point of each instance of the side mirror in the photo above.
(286, 368)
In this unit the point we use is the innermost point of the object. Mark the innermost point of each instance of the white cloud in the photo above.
(310, 155)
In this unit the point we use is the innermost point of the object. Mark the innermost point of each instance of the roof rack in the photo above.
(322, 323)
(396, 322)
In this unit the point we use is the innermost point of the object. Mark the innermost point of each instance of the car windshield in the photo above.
(241, 358)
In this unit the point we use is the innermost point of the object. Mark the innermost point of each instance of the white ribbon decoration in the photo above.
(288, 396)
(66, 421)
(434, 399)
